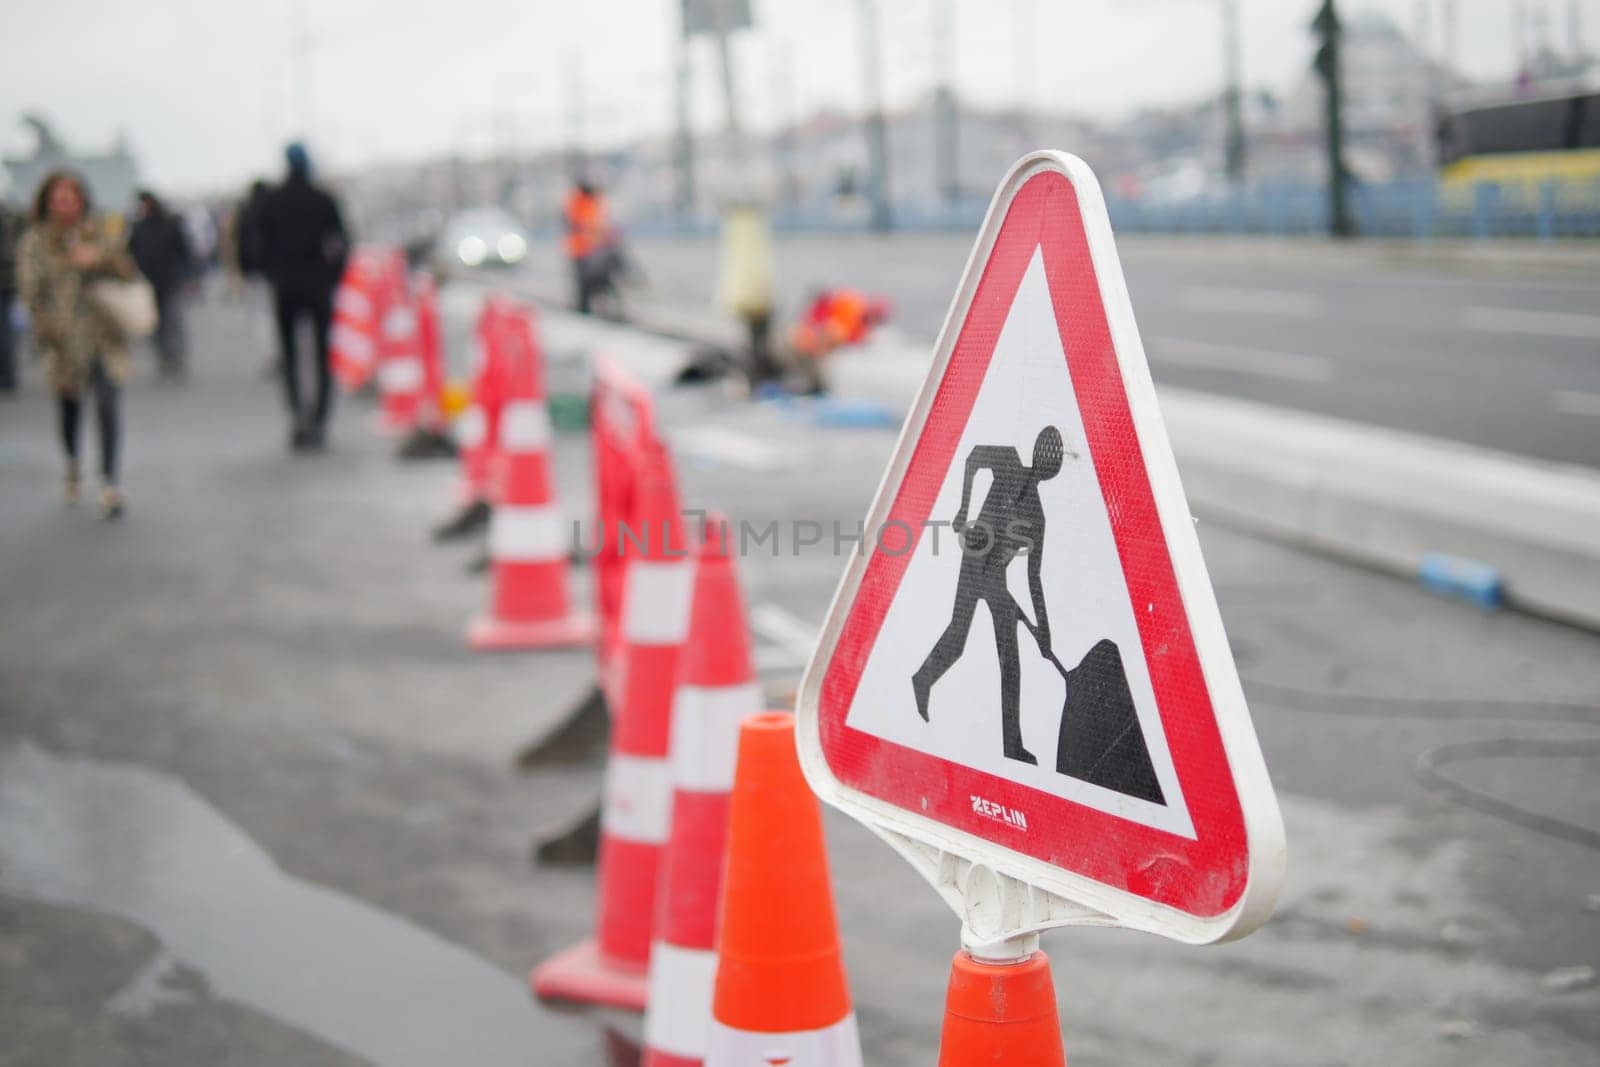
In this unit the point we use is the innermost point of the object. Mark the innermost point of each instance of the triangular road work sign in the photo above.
(1025, 665)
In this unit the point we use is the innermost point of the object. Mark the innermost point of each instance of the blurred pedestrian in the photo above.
(303, 250)
(64, 251)
(247, 252)
(228, 251)
(11, 224)
(161, 248)
(833, 319)
(588, 243)
(200, 226)
(247, 229)
(745, 287)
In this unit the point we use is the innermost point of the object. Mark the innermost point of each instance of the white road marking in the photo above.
(785, 631)
(1544, 323)
(1411, 279)
(1181, 352)
(1576, 402)
(1272, 303)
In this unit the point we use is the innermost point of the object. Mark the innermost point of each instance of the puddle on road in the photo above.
(133, 843)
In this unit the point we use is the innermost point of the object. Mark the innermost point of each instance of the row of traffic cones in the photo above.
(715, 906)
(715, 911)
(744, 964)
(386, 330)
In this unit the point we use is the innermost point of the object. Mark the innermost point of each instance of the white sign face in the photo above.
(1026, 387)
(1027, 669)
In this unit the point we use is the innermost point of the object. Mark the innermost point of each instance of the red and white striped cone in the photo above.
(613, 967)
(400, 374)
(353, 337)
(430, 346)
(716, 690)
(623, 434)
(471, 435)
(477, 428)
(530, 606)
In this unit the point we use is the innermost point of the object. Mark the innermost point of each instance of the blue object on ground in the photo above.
(773, 391)
(856, 414)
(1467, 579)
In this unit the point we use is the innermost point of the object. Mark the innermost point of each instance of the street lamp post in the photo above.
(876, 126)
(946, 114)
(577, 150)
(1232, 94)
(1330, 33)
(683, 135)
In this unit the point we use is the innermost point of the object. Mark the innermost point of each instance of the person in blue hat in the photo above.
(303, 247)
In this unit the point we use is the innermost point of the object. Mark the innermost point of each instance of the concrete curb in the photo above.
(1485, 525)
(1413, 505)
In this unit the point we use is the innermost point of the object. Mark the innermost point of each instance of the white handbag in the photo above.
(130, 305)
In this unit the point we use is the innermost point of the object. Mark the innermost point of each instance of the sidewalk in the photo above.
(266, 654)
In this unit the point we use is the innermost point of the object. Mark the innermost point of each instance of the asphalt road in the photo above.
(257, 801)
(1504, 354)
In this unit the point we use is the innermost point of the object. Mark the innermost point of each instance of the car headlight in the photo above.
(511, 247)
(472, 250)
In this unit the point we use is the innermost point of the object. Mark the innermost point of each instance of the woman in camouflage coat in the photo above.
(64, 250)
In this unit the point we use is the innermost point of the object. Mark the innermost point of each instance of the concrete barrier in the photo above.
(1523, 529)
(1394, 500)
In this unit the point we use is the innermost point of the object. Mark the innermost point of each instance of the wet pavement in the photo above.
(120, 840)
(258, 803)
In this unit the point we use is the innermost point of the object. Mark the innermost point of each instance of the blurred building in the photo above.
(1391, 91)
(816, 171)
(113, 177)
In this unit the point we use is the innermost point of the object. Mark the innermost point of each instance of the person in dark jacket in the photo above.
(161, 249)
(246, 244)
(11, 225)
(303, 251)
(247, 230)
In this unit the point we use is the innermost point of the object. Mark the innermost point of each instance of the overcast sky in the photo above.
(203, 89)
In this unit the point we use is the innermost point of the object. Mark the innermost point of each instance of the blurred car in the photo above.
(481, 237)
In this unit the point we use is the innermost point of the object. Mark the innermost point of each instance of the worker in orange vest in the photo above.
(589, 243)
(835, 318)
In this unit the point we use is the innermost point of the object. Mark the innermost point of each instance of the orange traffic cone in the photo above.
(530, 606)
(400, 372)
(999, 1013)
(781, 994)
(635, 817)
(716, 690)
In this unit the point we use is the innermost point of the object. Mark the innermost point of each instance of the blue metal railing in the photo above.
(1414, 208)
